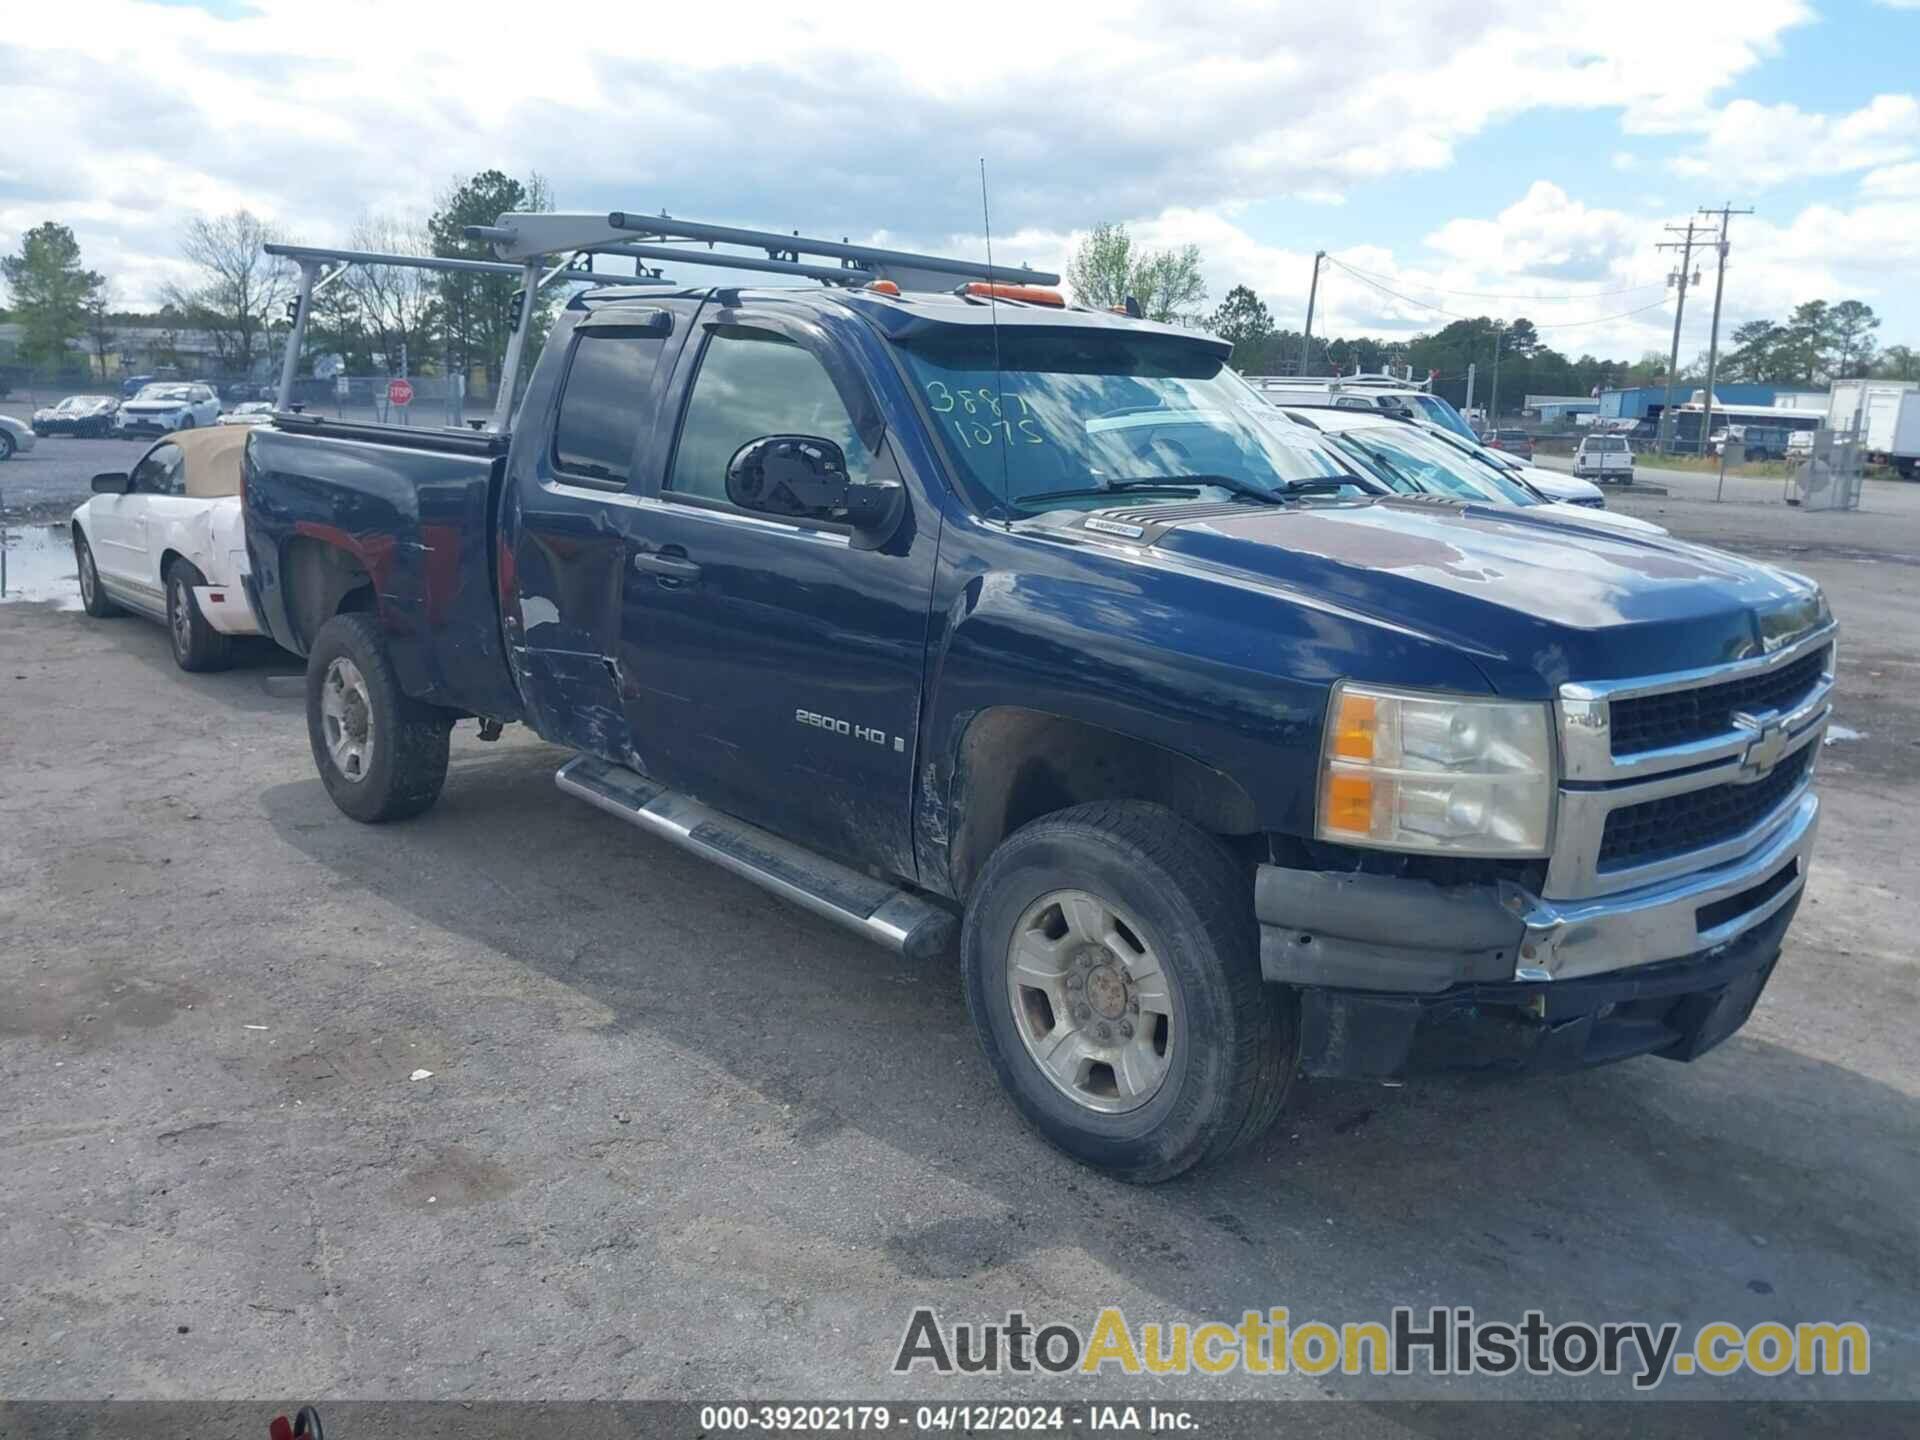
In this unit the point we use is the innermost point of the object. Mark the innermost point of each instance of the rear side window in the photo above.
(602, 405)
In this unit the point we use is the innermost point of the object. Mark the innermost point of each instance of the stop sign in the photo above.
(399, 392)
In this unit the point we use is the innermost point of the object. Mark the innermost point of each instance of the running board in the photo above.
(906, 923)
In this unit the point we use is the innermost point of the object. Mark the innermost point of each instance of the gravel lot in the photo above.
(682, 1140)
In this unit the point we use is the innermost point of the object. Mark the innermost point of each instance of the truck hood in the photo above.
(1536, 602)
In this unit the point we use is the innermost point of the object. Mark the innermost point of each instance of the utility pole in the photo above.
(1313, 293)
(1726, 214)
(1493, 400)
(1685, 247)
(1469, 407)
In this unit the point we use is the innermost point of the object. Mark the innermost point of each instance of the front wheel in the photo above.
(1112, 969)
(381, 754)
(6, 445)
(93, 595)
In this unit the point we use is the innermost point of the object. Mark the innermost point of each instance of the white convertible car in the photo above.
(165, 540)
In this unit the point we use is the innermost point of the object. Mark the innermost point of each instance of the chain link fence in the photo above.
(435, 400)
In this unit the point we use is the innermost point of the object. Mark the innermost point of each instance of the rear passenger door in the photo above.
(569, 525)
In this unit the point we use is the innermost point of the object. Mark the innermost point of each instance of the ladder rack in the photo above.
(526, 236)
(527, 241)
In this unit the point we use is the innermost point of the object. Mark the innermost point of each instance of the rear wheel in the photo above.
(197, 646)
(92, 595)
(381, 754)
(6, 445)
(1111, 966)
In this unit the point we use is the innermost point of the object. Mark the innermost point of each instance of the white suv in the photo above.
(1602, 458)
(168, 405)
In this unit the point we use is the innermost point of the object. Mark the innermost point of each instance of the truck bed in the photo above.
(342, 515)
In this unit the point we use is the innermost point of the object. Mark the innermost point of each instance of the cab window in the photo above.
(753, 383)
(601, 406)
(160, 471)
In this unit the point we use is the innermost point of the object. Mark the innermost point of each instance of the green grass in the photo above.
(1710, 465)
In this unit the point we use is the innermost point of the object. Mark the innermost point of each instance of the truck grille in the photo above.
(1676, 824)
(1654, 722)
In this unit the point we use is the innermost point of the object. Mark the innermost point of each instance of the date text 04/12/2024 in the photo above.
(966, 1419)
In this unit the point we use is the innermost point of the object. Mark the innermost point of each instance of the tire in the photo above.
(93, 595)
(197, 646)
(187, 423)
(6, 446)
(1225, 1043)
(394, 768)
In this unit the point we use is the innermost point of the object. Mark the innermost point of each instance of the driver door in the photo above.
(120, 526)
(774, 669)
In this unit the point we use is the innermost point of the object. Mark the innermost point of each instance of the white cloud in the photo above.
(1754, 146)
(1588, 276)
(1893, 181)
(1624, 160)
(131, 116)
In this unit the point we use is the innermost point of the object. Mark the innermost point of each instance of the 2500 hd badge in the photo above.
(871, 734)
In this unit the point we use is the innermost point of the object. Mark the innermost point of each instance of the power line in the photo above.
(1455, 315)
(1534, 299)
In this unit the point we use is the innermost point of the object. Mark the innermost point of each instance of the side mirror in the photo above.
(798, 475)
(113, 482)
(805, 477)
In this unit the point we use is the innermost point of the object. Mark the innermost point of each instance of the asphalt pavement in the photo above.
(48, 481)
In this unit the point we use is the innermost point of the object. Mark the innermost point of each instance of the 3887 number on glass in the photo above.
(976, 418)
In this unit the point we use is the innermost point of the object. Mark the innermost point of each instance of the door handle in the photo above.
(670, 563)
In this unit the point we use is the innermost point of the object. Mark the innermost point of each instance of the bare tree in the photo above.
(399, 305)
(241, 289)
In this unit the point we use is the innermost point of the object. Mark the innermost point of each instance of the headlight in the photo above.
(1430, 772)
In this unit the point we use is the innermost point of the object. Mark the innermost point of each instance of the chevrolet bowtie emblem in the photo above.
(1763, 752)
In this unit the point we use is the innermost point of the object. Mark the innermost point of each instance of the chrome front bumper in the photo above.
(1380, 933)
(1672, 918)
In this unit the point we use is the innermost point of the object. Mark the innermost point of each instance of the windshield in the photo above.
(1433, 408)
(164, 392)
(1435, 467)
(1069, 417)
(80, 402)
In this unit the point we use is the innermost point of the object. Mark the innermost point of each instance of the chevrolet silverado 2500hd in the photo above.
(1219, 770)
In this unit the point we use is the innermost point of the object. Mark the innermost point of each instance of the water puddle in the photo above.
(39, 566)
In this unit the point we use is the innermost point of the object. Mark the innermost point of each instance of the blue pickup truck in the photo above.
(996, 624)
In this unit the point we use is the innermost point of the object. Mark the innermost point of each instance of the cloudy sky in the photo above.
(1472, 158)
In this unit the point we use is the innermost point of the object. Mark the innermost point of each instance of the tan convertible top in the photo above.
(213, 459)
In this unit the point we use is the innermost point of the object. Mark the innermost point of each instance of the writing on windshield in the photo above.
(1065, 417)
(976, 417)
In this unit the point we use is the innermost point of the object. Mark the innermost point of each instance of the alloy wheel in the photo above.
(1092, 1004)
(346, 719)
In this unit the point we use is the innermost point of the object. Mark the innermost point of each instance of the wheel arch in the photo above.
(322, 580)
(1014, 764)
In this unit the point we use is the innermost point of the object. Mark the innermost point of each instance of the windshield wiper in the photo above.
(1176, 485)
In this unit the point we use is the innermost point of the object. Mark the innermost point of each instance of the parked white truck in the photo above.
(1888, 413)
(1602, 458)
